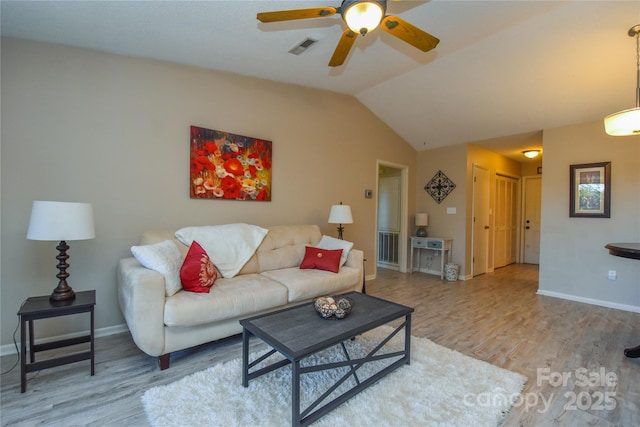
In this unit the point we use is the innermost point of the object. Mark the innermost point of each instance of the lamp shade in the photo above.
(422, 219)
(623, 123)
(340, 214)
(57, 221)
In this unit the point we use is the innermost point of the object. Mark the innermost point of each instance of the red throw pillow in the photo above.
(321, 259)
(197, 272)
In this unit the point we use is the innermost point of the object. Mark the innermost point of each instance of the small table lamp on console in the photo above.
(340, 214)
(422, 220)
(61, 221)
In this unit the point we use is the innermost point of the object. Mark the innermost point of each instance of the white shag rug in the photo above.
(440, 387)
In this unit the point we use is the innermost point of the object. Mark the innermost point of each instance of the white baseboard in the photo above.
(8, 349)
(608, 304)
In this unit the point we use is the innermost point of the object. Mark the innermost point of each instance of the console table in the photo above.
(441, 244)
(43, 308)
(626, 250)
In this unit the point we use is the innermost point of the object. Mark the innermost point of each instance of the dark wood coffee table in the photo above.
(298, 332)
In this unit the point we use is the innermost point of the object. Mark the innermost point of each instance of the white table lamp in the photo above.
(422, 220)
(340, 214)
(61, 221)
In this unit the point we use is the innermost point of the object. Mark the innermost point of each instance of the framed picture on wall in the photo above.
(590, 190)
(226, 166)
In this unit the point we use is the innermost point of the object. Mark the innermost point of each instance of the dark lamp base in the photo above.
(63, 291)
(421, 232)
(62, 294)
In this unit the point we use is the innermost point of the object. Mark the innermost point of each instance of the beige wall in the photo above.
(573, 260)
(452, 162)
(530, 168)
(79, 125)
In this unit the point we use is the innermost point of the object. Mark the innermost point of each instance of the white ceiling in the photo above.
(502, 68)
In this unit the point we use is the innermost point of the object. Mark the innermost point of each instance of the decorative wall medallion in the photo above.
(439, 187)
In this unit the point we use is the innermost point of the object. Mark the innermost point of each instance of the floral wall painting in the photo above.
(228, 166)
(590, 190)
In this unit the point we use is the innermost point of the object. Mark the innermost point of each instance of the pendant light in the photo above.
(627, 122)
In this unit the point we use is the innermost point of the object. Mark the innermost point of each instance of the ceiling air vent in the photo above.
(302, 46)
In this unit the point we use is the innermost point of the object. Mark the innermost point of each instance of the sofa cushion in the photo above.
(321, 259)
(284, 247)
(306, 284)
(229, 246)
(197, 273)
(163, 257)
(240, 296)
(328, 242)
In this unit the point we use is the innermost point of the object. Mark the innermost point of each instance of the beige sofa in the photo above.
(270, 280)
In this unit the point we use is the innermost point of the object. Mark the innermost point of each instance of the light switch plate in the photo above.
(451, 211)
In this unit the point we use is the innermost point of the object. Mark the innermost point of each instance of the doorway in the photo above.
(480, 228)
(391, 216)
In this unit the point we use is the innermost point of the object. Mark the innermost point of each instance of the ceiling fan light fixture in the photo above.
(627, 122)
(531, 154)
(363, 16)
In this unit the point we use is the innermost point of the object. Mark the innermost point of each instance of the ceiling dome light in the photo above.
(362, 16)
(627, 122)
(531, 154)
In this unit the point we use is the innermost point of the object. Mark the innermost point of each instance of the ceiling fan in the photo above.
(361, 16)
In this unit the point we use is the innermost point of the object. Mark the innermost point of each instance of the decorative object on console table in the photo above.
(439, 187)
(422, 221)
(340, 214)
(590, 190)
(228, 166)
(61, 221)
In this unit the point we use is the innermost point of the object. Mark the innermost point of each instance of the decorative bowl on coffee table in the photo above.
(330, 307)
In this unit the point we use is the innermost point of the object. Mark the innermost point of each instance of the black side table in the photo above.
(42, 308)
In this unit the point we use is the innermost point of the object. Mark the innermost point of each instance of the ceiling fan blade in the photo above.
(409, 33)
(288, 15)
(343, 48)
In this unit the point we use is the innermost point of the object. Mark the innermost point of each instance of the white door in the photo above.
(531, 232)
(480, 220)
(506, 221)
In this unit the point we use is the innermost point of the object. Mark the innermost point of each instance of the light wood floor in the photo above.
(496, 317)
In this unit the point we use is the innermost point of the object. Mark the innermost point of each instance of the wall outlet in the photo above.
(613, 275)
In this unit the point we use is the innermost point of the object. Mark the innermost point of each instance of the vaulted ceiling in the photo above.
(503, 71)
